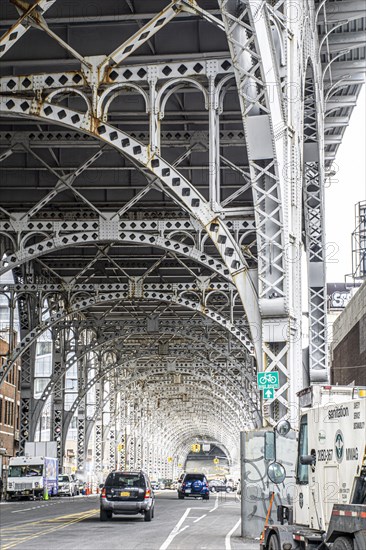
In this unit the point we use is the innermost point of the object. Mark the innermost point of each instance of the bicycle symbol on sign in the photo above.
(267, 378)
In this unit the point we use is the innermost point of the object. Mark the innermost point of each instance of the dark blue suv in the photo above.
(194, 485)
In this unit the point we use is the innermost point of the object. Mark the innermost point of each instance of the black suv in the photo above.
(127, 493)
(194, 485)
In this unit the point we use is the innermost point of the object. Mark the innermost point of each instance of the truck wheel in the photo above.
(103, 515)
(274, 543)
(343, 543)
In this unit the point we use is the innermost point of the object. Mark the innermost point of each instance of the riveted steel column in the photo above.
(58, 396)
(154, 120)
(212, 145)
(98, 431)
(257, 69)
(314, 234)
(81, 415)
(112, 422)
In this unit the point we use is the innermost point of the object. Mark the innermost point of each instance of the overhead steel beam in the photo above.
(30, 13)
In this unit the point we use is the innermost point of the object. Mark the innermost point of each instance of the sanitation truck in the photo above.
(329, 504)
(32, 476)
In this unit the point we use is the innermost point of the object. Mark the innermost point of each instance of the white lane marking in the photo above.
(228, 536)
(24, 510)
(174, 532)
(183, 529)
(216, 503)
(198, 519)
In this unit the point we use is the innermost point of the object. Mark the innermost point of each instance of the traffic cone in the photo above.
(45, 493)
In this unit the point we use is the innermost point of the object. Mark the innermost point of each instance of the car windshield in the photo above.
(26, 471)
(125, 480)
(195, 477)
(63, 478)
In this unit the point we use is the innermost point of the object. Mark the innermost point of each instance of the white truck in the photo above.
(329, 504)
(30, 476)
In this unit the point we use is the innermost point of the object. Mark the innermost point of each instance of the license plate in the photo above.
(188, 490)
(125, 494)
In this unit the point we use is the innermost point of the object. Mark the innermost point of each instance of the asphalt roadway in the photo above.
(73, 524)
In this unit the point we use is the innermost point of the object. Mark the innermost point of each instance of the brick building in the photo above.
(349, 342)
(9, 408)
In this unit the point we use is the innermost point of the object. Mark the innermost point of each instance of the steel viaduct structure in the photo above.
(162, 175)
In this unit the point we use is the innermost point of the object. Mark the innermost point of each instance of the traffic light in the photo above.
(195, 448)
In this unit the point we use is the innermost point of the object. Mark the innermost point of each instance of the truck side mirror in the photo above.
(270, 446)
(308, 460)
(101, 485)
(276, 473)
(283, 427)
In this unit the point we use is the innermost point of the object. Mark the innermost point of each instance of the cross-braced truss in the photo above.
(157, 195)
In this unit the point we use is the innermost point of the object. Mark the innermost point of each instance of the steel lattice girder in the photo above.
(258, 64)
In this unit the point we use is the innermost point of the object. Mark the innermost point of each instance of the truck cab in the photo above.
(329, 501)
(331, 453)
(32, 476)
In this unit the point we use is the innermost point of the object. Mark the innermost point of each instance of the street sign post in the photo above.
(267, 380)
(268, 393)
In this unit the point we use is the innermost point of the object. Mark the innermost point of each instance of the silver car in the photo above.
(127, 493)
(67, 485)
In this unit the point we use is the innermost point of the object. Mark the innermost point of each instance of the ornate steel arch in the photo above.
(215, 201)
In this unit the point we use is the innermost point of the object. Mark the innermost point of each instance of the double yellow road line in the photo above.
(12, 536)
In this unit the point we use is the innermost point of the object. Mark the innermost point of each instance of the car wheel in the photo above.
(342, 543)
(180, 496)
(213, 489)
(109, 515)
(228, 489)
(103, 515)
(206, 497)
(148, 515)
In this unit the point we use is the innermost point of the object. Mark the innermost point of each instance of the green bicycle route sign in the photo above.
(267, 380)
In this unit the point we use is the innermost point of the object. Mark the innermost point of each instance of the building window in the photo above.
(18, 417)
(1, 410)
(9, 412)
(19, 377)
(10, 377)
(44, 348)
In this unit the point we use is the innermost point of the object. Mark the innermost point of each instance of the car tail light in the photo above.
(147, 493)
(104, 493)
